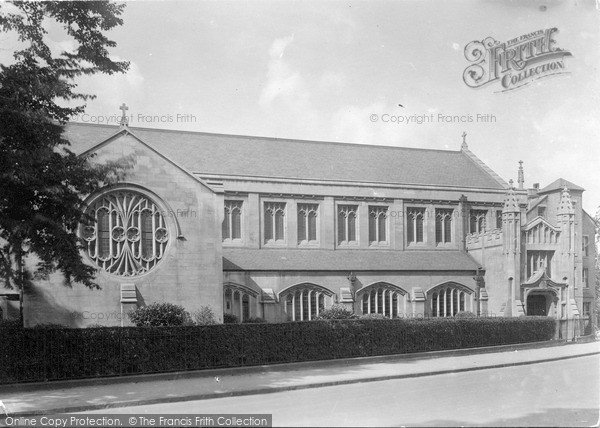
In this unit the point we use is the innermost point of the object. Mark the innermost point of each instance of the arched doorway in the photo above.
(537, 305)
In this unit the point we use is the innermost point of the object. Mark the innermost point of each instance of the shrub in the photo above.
(10, 324)
(230, 319)
(465, 314)
(204, 316)
(256, 320)
(50, 326)
(373, 317)
(159, 315)
(337, 312)
(96, 326)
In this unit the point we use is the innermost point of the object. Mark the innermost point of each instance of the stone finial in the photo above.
(124, 120)
(511, 204)
(464, 145)
(521, 179)
(565, 206)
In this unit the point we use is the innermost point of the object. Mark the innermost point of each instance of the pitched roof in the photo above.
(537, 202)
(235, 155)
(560, 184)
(236, 259)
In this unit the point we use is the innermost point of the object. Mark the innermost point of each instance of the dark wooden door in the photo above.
(536, 305)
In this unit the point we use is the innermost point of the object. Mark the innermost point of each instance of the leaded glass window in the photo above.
(415, 224)
(378, 225)
(274, 224)
(232, 221)
(443, 225)
(347, 223)
(307, 223)
(129, 236)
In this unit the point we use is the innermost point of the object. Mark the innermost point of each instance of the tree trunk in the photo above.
(19, 260)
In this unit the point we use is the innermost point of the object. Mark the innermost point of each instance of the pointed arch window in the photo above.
(304, 302)
(347, 216)
(383, 298)
(415, 224)
(443, 225)
(274, 222)
(308, 223)
(449, 299)
(232, 221)
(477, 222)
(378, 230)
(129, 235)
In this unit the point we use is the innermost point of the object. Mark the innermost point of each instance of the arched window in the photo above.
(307, 223)
(448, 299)
(347, 224)
(378, 224)
(129, 236)
(240, 301)
(232, 221)
(443, 225)
(414, 224)
(274, 223)
(383, 298)
(477, 221)
(304, 302)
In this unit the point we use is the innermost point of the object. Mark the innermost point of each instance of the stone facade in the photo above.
(438, 235)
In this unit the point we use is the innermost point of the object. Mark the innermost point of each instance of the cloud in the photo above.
(282, 80)
(331, 81)
(354, 124)
(286, 96)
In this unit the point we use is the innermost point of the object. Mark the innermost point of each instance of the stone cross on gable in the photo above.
(464, 142)
(124, 120)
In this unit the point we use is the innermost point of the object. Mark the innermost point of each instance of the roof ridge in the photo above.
(257, 137)
(559, 184)
(479, 163)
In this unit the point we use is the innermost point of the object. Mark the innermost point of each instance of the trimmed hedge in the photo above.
(28, 355)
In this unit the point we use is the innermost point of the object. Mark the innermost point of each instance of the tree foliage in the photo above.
(204, 316)
(42, 183)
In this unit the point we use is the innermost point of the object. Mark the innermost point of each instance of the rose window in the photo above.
(129, 236)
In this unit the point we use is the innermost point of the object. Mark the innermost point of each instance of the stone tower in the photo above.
(511, 232)
(565, 219)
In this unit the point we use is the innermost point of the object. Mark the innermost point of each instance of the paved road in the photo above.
(558, 393)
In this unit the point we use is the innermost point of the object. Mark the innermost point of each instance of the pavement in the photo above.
(92, 394)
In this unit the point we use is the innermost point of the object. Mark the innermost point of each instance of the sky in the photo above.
(357, 71)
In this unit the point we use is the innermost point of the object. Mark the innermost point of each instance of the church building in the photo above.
(282, 229)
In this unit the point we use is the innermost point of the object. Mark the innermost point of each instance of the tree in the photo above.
(42, 183)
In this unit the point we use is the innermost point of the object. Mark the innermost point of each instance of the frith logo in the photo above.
(515, 63)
